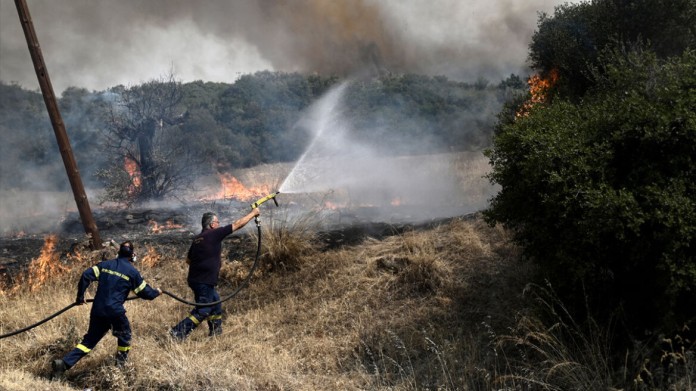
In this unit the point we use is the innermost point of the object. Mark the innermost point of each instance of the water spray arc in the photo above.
(324, 115)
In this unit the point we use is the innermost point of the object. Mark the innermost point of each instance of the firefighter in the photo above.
(204, 260)
(116, 277)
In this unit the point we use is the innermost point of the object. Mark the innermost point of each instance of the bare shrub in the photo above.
(289, 240)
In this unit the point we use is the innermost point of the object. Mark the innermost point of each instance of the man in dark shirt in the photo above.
(116, 278)
(204, 259)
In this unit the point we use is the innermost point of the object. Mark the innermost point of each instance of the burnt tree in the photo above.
(149, 156)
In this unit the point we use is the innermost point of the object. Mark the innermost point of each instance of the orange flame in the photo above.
(151, 257)
(396, 201)
(233, 188)
(538, 89)
(76, 257)
(333, 206)
(46, 266)
(134, 173)
(155, 228)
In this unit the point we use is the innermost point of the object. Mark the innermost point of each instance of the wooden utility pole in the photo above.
(58, 125)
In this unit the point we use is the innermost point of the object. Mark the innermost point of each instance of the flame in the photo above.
(76, 257)
(333, 206)
(396, 201)
(151, 257)
(46, 266)
(155, 228)
(131, 168)
(538, 89)
(233, 188)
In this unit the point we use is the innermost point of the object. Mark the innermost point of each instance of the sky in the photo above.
(98, 44)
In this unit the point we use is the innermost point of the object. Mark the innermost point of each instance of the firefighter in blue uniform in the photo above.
(116, 277)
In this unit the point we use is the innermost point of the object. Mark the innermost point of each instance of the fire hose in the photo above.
(244, 283)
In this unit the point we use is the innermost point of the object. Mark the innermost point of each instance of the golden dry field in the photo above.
(442, 304)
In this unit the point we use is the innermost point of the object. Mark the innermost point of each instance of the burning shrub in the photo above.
(151, 258)
(46, 266)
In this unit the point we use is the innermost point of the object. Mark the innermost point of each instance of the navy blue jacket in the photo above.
(116, 277)
(205, 255)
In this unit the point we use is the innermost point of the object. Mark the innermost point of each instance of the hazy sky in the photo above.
(97, 44)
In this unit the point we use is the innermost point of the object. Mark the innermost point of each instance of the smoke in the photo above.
(354, 174)
(98, 44)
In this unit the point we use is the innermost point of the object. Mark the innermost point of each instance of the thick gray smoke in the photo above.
(98, 44)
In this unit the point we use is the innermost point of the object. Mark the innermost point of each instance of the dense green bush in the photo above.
(572, 40)
(602, 193)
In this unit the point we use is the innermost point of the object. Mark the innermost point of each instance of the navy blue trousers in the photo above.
(98, 327)
(203, 293)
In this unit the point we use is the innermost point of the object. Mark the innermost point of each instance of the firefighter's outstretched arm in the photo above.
(244, 220)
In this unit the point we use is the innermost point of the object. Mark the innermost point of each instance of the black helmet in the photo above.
(126, 250)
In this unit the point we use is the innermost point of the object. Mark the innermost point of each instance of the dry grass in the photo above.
(399, 313)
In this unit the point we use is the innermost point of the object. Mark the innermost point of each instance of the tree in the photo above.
(260, 111)
(572, 40)
(84, 113)
(150, 156)
(600, 193)
(28, 144)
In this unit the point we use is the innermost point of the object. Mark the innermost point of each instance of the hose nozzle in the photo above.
(260, 201)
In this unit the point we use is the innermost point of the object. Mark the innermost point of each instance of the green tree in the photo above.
(28, 151)
(600, 192)
(260, 111)
(572, 40)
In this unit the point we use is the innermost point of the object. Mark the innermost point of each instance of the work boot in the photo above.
(59, 368)
(121, 359)
(177, 335)
(183, 329)
(215, 331)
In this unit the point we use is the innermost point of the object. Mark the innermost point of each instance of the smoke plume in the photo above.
(98, 44)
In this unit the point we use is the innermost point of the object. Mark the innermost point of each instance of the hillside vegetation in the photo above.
(597, 176)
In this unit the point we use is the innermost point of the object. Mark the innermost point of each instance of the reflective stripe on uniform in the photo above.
(125, 277)
(195, 321)
(214, 317)
(96, 271)
(83, 348)
(139, 288)
(123, 348)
